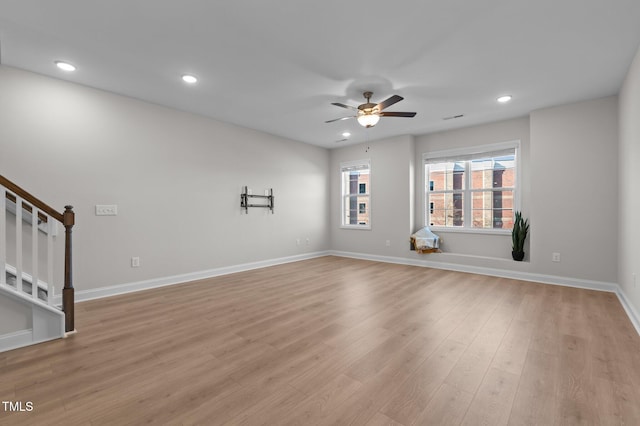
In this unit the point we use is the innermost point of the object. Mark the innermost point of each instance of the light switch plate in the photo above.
(106, 210)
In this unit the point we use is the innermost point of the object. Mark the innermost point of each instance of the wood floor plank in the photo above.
(536, 401)
(413, 396)
(377, 390)
(447, 407)
(513, 349)
(319, 405)
(336, 341)
(492, 403)
(382, 420)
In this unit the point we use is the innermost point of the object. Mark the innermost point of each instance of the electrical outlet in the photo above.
(308, 241)
(106, 210)
(555, 257)
(388, 243)
(297, 241)
(135, 262)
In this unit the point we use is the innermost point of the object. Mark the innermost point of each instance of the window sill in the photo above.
(443, 229)
(356, 227)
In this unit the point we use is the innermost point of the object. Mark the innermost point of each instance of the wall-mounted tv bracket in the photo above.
(246, 198)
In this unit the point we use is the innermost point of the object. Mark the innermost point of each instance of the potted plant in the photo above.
(518, 235)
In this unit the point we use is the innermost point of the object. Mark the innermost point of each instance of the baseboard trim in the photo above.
(20, 339)
(16, 340)
(502, 273)
(118, 289)
(629, 309)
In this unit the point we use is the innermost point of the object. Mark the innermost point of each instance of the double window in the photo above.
(473, 189)
(356, 194)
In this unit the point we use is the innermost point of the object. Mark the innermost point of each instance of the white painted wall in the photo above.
(176, 178)
(391, 197)
(574, 189)
(629, 186)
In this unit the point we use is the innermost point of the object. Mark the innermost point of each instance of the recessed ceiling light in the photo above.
(346, 134)
(188, 78)
(503, 99)
(65, 66)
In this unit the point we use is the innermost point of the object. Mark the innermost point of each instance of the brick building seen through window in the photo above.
(487, 184)
(358, 211)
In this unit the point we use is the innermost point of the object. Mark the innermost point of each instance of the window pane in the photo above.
(353, 182)
(355, 194)
(356, 210)
(496, 172)
(447, 209)
(492, 209)
(446, 176)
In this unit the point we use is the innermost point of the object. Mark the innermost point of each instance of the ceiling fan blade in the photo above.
(338, 119)
(387, 103)
(344, 106)
(398, 114)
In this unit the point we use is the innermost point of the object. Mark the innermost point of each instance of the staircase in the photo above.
(27, 285)
(29, 246)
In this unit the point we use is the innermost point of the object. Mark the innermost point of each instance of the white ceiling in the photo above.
(276, 65)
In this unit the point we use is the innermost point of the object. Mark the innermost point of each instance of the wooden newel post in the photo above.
(68, 292)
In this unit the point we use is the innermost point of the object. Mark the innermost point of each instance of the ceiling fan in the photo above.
(369, 113)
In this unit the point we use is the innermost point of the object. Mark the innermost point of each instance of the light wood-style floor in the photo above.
(336, 341)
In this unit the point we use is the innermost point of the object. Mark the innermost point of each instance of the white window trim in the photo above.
(479, 149)
(345, 165)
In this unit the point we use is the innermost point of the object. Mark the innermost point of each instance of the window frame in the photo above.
(364, 164)
(468, 191)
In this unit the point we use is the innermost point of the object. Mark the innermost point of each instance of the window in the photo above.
(356, 187)
(472, 189)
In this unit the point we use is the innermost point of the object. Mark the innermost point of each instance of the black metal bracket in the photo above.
(245, 198)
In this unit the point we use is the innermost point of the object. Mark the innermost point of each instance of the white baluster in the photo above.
(34, 252)
(3, 236)
(19, 244)
(50, 229)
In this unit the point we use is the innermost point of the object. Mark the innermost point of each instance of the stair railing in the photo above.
(43, 218)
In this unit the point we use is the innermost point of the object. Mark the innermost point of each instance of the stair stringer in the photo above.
(47, 322)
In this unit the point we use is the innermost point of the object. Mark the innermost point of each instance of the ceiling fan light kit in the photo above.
(368, 114)
(368, 120)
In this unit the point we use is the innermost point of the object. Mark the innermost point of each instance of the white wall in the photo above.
(176, 178)
(391, 197)
(629, 185)
(574, 189)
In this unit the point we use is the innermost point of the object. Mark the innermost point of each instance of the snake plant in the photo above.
(519, 232)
